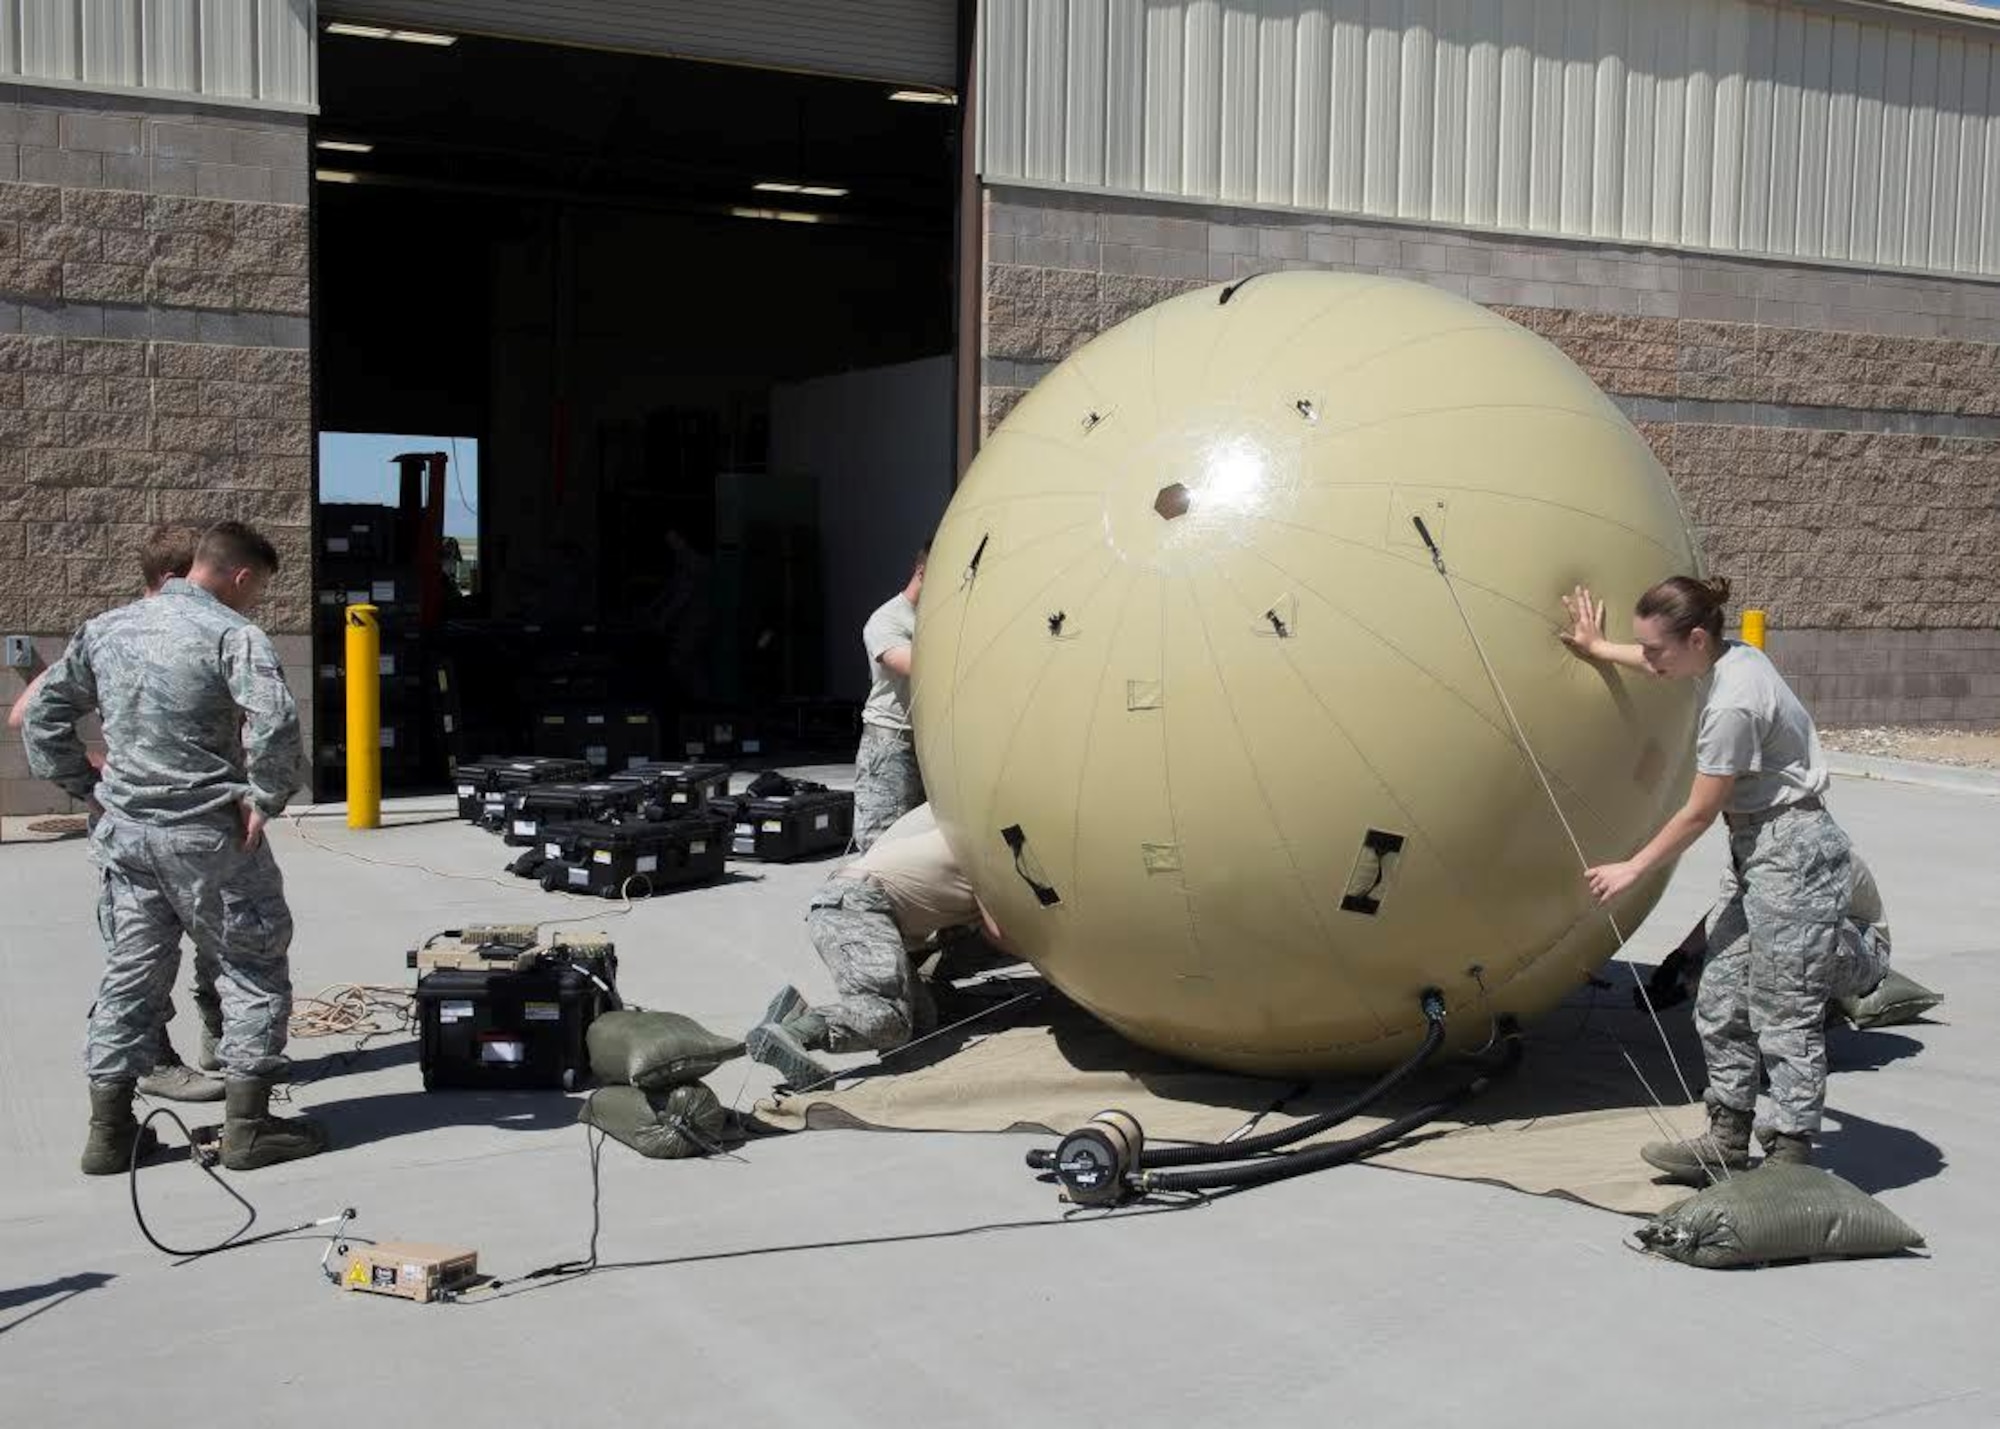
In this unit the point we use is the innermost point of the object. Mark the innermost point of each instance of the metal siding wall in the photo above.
(895, 40)
(254, 51)
(1728, 124)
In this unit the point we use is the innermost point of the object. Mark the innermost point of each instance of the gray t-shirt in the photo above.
(893, 623)
(1754, 727)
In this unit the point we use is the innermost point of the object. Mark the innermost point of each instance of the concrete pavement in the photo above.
(1357, 1296)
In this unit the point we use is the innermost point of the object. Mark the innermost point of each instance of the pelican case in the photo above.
(603, 858)
(806, 821)
(720, 736)
(608, 734)
(483, 785)
(514, 1027)
(676, 790)
(538, 806)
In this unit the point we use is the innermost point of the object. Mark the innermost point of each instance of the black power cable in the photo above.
(236, 1240)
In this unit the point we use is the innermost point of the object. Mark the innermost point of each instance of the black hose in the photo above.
(1264, 1171)
(1209, 1152)
(1248, 1146)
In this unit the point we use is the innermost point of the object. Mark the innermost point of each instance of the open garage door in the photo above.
(897, 41)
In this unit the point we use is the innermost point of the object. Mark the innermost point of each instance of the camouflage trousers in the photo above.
(1775, 959)
(158, 882)
(887, 782)
(883, 1000)
(207, 963)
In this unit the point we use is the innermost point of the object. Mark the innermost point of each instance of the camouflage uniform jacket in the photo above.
(196, 713)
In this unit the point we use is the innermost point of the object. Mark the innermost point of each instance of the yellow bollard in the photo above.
(1753, 628)
(364, 718)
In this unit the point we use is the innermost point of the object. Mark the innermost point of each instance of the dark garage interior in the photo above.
(711, 409)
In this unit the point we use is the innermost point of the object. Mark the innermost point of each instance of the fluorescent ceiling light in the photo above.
(335, 176)
(347, 146)
(377, 32)
(775, 215)
(923, 96)
(777, 186)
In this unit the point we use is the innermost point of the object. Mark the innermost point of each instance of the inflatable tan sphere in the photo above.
(1197, 712)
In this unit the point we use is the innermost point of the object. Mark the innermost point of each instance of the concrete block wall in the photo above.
(154, 360)
(1834, 432)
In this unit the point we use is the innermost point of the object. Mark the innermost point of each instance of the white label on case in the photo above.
(680, 798)
(338, 545)
(454, 1011)
(597, 754)
(753, 746)
(774, 826)
(552, 850)
(820, 821)
(648, 863)
(579, 877)
(524, 828)
(387, 664)
(383, 590)
(698, 847)
(542, 1011)
(601, 856)
(467, 791)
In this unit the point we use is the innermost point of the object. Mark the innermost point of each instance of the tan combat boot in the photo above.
(252, 1137)
(1726, 1147)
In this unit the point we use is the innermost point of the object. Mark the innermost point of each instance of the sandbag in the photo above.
(655, 1050)
(1896, 999)
(1776, 1212)
(686, 1121)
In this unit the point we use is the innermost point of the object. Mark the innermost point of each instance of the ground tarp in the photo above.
(1568, 1123)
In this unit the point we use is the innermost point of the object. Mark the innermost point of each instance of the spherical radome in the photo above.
(1198, 714)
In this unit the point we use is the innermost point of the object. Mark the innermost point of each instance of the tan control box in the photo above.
(409, 1270)
(502, 947)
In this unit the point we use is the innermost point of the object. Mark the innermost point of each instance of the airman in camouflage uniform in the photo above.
(865, 922)
(167, 551)
(203, 747)
(887, 781)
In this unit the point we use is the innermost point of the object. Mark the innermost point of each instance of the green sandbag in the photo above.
(1776, 1212)
(1896, 999)
(686, 1121)
(655, 1050)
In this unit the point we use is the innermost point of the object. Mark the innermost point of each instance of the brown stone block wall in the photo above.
(154, 360)
(1834, 433)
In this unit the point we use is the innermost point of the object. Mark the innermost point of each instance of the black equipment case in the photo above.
(676, 789)
(483, 785)
(776, 828)
(511, 1028)
(604, 858)
(538, 806)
